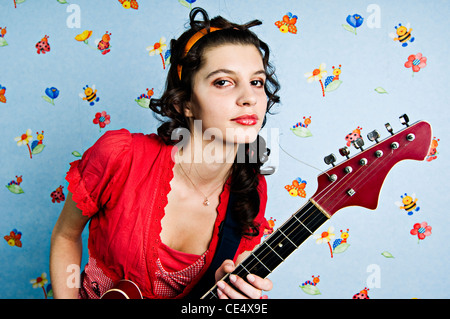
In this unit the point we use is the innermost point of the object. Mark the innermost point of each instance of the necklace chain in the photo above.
(206, 201)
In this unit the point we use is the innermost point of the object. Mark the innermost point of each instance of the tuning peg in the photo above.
(344, 151)
(358, 143)
(330, 159)
(404, 119)
(373, 136)
(389, 128)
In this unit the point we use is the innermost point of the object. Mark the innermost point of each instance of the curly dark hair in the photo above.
(170, 107)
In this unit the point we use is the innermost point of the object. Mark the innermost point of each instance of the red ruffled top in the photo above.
(122, 183)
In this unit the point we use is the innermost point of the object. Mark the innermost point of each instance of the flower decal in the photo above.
(317, 75)
(102, 119)
(40, 282)
(83, 37)
(51, 94)
(416, 62)
(158, 48)
(187, 3)
(25, 139)
(326, 237)
(421, 230)
(354, 21)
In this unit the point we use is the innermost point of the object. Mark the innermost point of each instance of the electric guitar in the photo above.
(357, 181)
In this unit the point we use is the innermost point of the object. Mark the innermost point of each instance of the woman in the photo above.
(156, 202)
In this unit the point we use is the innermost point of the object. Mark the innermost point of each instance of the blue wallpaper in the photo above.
(72, 71)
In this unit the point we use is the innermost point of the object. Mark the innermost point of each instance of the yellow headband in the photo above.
(197, 36)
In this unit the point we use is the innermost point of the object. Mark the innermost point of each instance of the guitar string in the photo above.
(282, 235)
(358, 178)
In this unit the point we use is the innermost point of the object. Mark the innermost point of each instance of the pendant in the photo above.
(206, 202)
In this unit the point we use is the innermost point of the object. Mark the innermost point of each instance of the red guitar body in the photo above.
(125, 289)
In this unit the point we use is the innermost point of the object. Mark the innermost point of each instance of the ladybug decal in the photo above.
(103, 45)
(43, 46)
(353, 136)
(58, 195)
(362, 294)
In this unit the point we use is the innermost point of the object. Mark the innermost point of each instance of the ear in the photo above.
(188, 110)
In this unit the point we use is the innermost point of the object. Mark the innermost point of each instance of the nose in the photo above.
(247, 96)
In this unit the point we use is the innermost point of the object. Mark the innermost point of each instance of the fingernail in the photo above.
(221, 284)
(251, 278)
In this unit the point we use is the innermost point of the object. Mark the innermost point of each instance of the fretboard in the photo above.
(279, 245)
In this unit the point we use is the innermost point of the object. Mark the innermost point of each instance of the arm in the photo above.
(66, 248)
(252, 288)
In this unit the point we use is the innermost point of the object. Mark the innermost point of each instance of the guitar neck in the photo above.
(279, 245)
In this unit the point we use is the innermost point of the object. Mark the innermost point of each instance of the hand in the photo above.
(250, 289)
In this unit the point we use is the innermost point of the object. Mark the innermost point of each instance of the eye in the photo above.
(222, 83)
(257, 83)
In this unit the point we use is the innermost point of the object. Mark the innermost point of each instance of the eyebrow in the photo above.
(227, 71)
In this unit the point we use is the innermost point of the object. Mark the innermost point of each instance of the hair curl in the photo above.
(170, 107)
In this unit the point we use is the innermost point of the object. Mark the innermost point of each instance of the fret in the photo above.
(302, 223)
(273, 250)
(270, 270)
(287, 237)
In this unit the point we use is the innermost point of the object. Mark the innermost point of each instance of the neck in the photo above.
(207, 162)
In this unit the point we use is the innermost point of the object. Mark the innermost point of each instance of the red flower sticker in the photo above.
(416, 62)
(102, 119)
(422, 230)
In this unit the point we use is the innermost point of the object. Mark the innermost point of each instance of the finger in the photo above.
(247, 288)
(226, 267)
(260, 283)
(221, 294)
(228, 291)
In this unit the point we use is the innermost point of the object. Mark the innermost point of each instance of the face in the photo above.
(228, 93)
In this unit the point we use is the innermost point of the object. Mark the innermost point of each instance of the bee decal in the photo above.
(362, 294)
(43, 46)
(2, 94)
(14, 238)
(402, 34)
(90, 95)
(353, 136)
(432, 154)
(103, 45)
(297, 188)
(408, 203)
(287, 24)
(58, 195)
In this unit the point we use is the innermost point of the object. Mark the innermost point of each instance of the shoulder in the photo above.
(117, 141)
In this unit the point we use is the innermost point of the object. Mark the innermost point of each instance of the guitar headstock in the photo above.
(357, 181)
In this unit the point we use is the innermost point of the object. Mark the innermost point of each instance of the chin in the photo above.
(243, 135)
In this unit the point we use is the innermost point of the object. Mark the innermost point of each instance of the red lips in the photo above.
(248, 119)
